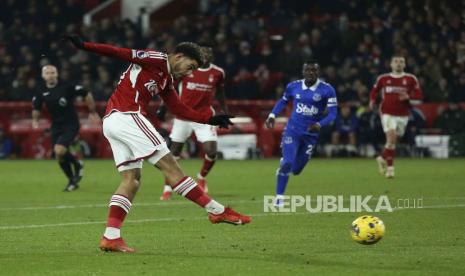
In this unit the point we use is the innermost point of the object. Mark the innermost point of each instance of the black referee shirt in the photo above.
(60, 102)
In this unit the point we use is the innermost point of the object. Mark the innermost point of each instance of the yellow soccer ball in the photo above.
(367, 230)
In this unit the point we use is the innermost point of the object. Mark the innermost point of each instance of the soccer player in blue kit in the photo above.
(314, 105)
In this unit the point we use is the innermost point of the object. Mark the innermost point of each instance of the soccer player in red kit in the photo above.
(134, 139)
(198, 90)
(399, 90)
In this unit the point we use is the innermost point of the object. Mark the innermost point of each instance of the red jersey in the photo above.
(391, 86)
(147, 75)
(199, 88)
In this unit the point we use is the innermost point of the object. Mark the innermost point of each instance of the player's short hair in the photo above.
(191, 50)
(397, 56)
(313, 62)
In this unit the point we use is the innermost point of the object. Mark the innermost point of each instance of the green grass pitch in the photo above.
(44, 231)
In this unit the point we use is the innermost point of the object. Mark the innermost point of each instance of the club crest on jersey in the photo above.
(287, 140)
(404, 82)
(210, 78)
(316, 97)
(62, 101)
(305, 110)
(297, 97)
(151, 86)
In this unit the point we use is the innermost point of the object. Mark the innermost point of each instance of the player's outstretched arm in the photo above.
(125, 54)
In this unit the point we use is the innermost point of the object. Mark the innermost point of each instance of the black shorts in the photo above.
(64, 135)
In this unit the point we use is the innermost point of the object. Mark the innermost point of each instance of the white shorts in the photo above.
(133, 139)
(397, 123)
(183, 129)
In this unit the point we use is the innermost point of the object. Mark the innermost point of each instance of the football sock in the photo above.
(72, 160)
(189, 189)
(167, 188)
(207, 166)
(119, 207)
(65, 166)
(388, 155)
(281, 182)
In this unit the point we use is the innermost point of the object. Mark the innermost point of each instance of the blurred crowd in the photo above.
(261, 45)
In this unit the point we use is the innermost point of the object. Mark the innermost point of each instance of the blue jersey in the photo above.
(315, 104)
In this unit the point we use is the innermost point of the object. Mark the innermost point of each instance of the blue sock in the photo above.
(281, 182)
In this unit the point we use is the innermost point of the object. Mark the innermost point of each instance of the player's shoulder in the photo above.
(412, 76)
(159, 59)
(294, 84)
(216, 68)
(326, 86)
(384, 76)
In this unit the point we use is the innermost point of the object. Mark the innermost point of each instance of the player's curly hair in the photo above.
(191, 50)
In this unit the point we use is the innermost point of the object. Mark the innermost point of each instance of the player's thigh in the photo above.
(401, 125)
(305, 150)
(181, 131)
(205, 132)
(133, 138)
(289, 147)
(170, 168)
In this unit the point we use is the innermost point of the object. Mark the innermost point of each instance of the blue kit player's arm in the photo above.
(281, 103)
(331, 107)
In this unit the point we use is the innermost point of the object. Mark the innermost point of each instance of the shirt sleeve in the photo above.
(417, 94)
(37, 101)
(375, 90)
(331, 106)
(281, 103)
(79, 90)
(141, 57)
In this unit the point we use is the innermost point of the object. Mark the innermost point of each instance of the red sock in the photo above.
(207, 166)
(388, 155)
(187, 188)
(119, 207)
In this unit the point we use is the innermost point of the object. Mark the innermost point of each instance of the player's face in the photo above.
(183, 66)
(398, 64)
(50, 74)
(310, 72)
(208, 55)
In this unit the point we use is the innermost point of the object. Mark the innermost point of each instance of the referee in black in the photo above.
(59, 100)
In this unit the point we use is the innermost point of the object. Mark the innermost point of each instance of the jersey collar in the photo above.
(205, 69)
(394, 75)
(313, 87)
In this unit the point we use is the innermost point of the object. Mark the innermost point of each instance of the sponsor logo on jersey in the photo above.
(316, 97)
(199, 86)
(141, 54)
(395, 89)
(62, 101)
(305, 110)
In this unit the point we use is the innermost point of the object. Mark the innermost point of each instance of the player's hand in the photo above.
(161, 113)
(269, 123)
(222, 120)
(403, 96)
(94, 117)
(371, 106)
(35, 124)
(315, 128)
(75, 40)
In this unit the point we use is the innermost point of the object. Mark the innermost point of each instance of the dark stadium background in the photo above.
(260, 44)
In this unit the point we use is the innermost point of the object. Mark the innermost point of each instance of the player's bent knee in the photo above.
(211, 155)
(285, 168)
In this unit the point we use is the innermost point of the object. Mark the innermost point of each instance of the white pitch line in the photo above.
(13, 227)
(169, 203)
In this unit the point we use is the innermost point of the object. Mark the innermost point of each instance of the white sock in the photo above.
(167, 188)
(214, 207)
(112, 233)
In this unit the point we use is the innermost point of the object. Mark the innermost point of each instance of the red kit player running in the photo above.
(198, 90)
(399, 90)
(134, 139)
